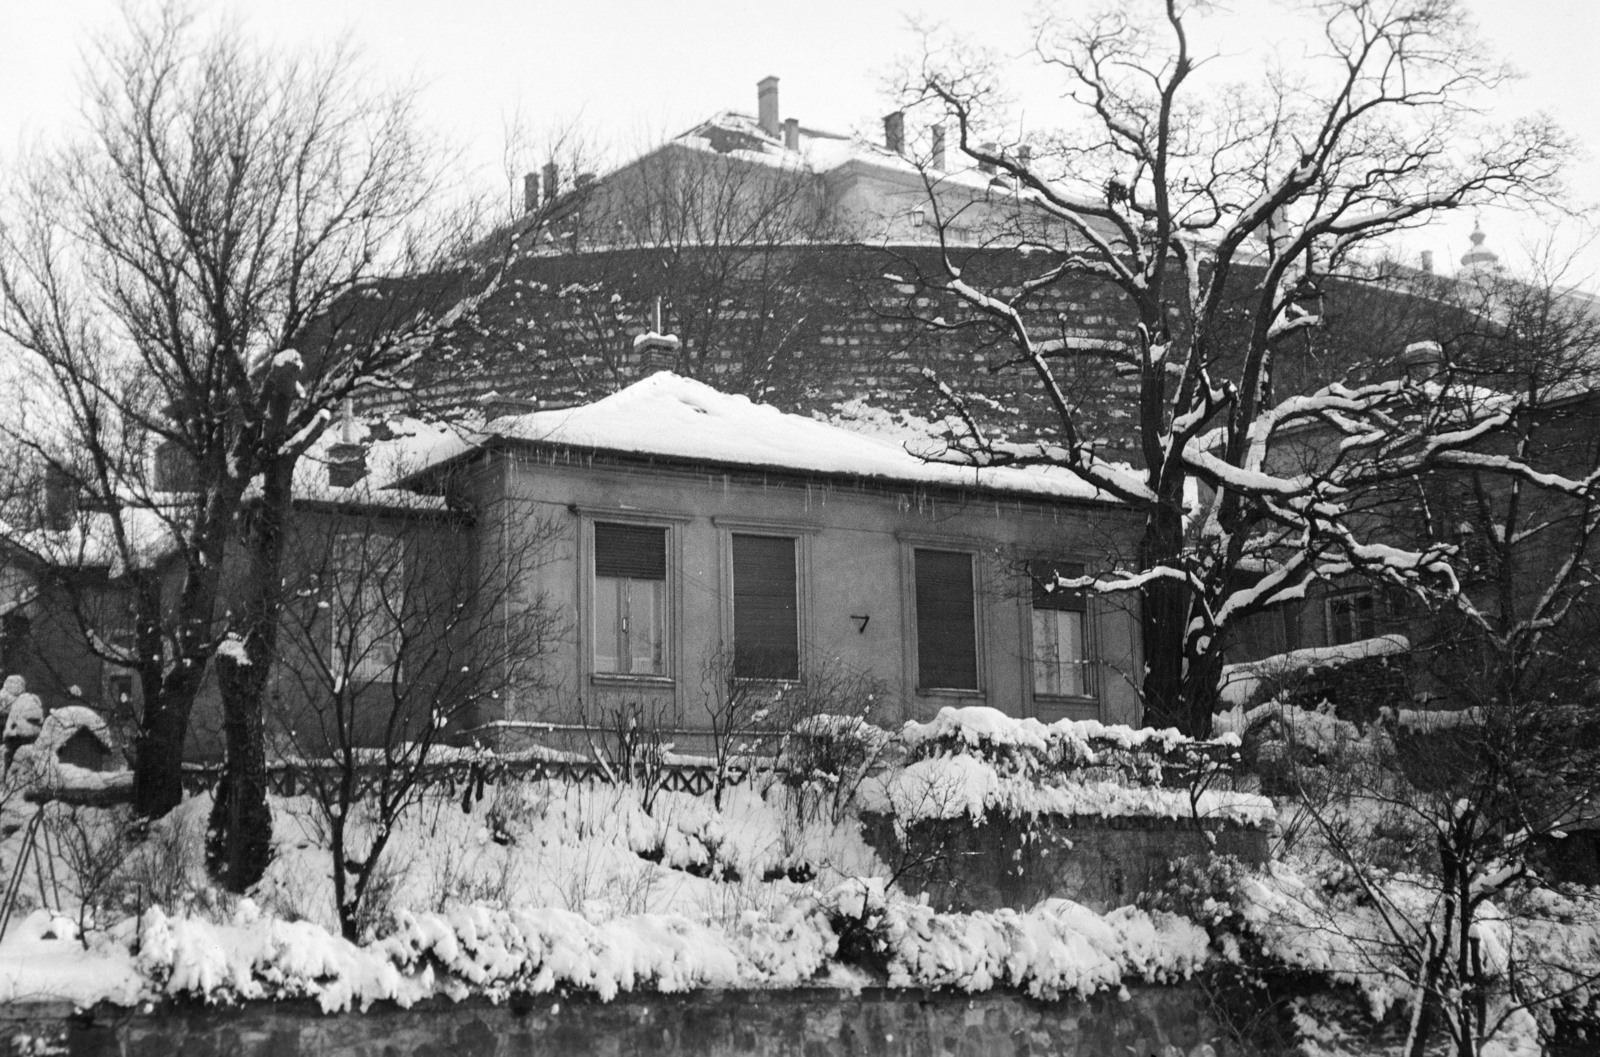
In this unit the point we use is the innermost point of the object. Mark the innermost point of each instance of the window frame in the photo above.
(910, 544)
(803, 535)
(1374, 617)
(672, 607)
(733, 604)
(1088, 641)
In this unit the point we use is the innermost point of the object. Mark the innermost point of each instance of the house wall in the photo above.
(42, 642)
(430, 559)
(855, 556)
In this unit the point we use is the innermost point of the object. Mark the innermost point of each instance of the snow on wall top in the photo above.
(1241, 681)
(667, 415)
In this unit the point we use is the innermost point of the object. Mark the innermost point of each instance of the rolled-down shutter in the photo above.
(632, 552)
(766, 629)
(947, 630)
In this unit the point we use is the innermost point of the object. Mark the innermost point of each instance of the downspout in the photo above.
(509, 709)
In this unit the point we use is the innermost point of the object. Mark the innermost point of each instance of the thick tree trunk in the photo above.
(158, 761)
(170, 685)
(1175, 695)
(241, 820)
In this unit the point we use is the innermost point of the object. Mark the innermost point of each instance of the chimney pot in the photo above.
(767, 105)
(894, 131)
(938, 147)
(551, 175)
(530, 192)
(791, 133)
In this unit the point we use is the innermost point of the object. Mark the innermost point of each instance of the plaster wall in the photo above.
(856, 581)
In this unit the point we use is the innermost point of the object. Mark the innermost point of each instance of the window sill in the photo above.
(945, 691)
(624, 679)
(1067, 699)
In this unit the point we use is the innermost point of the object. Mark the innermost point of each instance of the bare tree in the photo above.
(1423, 844)
(207, 274)
(1444, 827)
(1219, 220)
(401, 633)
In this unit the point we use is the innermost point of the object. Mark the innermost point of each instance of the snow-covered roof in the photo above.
(395, 449)
(90, 542)
(741, 136)
(668, 416)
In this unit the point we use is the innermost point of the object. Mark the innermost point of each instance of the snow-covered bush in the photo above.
(828, 758)
(1027, 748)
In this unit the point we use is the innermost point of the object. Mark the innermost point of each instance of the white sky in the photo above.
(632, 71)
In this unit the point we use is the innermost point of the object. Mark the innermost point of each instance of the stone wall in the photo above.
(1007, 862)
(808, 1022)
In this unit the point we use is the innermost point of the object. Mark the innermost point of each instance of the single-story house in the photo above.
(695, 537)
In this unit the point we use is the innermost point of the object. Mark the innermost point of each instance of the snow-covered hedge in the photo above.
(1057, 948)
(1029, 747)
(946, 787)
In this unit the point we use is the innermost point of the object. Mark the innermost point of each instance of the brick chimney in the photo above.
(347, 457)
(173, 469)
(530, 192)
(551, 173)
(1427, 261)
(658, 351)
(894, 131)
(988, 166)
(767, 105)
(938, 147)
(791, 133)
(1424, 361)
(60, 498)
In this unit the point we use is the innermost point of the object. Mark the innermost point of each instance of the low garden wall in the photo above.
(1010, 861)
(808, 1022)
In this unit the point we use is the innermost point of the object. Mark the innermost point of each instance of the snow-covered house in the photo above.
(703, 535)
(67, 603)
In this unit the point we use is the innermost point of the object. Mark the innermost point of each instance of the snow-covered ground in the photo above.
(536, 886)
(545, 885)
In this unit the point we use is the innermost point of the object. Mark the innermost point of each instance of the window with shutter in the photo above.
(1060, 654)
(947, 627)
(630, 599)
(766, 618)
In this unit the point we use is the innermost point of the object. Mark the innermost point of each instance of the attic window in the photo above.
(919, 217)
